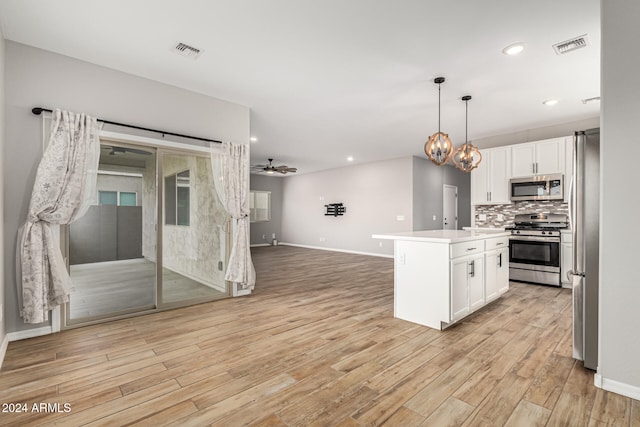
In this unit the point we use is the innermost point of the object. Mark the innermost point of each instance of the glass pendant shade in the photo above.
(438, 148)
(467, 157)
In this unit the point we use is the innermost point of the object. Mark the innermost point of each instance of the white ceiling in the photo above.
(327, 79)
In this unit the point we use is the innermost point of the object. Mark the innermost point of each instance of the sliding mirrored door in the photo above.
(112, 248)
(194, 238)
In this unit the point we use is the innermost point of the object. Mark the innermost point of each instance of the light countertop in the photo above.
(443, 236)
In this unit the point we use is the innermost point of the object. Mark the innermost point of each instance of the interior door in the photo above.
(449, 207)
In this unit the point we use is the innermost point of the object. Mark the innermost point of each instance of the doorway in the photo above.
(449, 207)
(155, 238)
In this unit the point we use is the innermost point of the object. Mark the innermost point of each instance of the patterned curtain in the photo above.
(231, 178)
(64, 188)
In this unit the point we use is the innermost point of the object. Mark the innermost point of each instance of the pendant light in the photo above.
(438, 147)
(467, 157)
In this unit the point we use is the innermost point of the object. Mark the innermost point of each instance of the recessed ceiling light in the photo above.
(350, 159)
(550, 102)
(253, 139)
(513, 49)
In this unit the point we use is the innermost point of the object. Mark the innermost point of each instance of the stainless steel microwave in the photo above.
(539, 187)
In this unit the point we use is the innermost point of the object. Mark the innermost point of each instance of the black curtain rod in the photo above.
(38, 110)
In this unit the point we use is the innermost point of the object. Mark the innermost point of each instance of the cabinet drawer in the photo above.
(497, 243)
(467, 248)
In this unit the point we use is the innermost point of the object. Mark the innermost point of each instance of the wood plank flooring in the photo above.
(315, 345)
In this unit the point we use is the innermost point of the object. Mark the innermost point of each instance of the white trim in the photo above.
(336, 250)
(55, 319)
(259, 245)
(3, 349)
(29, 333)
(153, 142)
(618, 387)
(236, 292)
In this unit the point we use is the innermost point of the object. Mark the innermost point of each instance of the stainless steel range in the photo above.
(534, 248)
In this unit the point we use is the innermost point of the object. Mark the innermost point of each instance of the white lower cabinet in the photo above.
(439, 281)
(467, 285)
(496, 273)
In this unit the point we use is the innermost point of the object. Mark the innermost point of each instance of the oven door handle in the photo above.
(536, 239)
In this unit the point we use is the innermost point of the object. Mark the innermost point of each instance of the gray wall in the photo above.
(39, 78)
(106, 233)
(619, 348)
(258, 229)
(373, 193)
(428, 180)
(2, 144)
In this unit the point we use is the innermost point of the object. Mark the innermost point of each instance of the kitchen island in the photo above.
(442, 276)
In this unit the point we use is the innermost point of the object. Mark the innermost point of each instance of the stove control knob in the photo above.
(544, 232)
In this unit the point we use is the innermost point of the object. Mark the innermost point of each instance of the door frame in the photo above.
(161, 148)
(455, 199)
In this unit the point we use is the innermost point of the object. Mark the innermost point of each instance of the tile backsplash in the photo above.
(509, 211)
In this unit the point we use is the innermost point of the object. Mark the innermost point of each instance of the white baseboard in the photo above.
(29, 333)
(258, 245)
(618, 387)
(3, 348)
(336, 250)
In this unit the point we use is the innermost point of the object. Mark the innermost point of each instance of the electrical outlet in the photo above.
(264, 236)
(500, 217)
(400, 217)
(483, 217)
(435, 218)
(322, 239)
(380, 244)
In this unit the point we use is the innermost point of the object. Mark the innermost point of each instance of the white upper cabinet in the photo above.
(490, 181)
(538, 158)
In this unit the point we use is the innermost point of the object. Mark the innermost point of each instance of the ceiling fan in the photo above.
(271, 169)
(121, 150)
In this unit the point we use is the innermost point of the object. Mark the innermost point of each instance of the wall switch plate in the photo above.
(400, 217)
(380, 244)
(322, 239)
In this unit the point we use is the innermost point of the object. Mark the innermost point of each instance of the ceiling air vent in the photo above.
(187, 51)
(571, 45)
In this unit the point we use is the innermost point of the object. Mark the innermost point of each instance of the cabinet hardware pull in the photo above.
(501, 243)
(499, 260)
(471, 249)
(472, 264)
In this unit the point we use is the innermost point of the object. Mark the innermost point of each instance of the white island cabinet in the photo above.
(441, 276)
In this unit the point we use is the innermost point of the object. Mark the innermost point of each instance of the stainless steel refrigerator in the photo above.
(585, 216)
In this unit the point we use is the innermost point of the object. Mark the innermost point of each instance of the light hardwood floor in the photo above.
(316, 344)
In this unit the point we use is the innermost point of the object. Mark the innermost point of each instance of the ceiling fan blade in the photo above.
(292, 169)
(136, 151)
